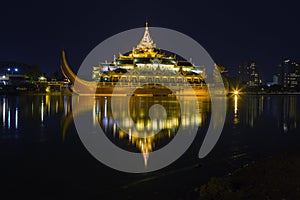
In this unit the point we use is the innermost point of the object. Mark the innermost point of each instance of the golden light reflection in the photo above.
(235, 105)
(236, 108)
(157, 130)
(165, 126)
(42, 111)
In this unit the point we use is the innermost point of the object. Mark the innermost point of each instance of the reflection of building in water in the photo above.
(285, 109)
(250, 110)
(288, 115)
(139, 120)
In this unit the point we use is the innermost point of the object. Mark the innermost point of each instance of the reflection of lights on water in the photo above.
(198, 118)
(140, 125)
(148, 125)
(145, 152)
(154, 124)
(174, 122)
(235, 105)
(262, 104)
(142, 112)
(97, 107)
(285, 128)
(56, 106)
(32, 109)
(16, 118)
(48, 103)
(3, 111)
(152, 127)
(185, 121)
(12, 116)
(66, 105)
(130, 134)
(236, 119)
(94, 114)
(105, 123)
(236, 93)
(8, 118)
(161, 124)
(114, 128)
(105, 107)
(42, 111)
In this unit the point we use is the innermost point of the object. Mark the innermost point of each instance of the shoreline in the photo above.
(271, 93)
(273, 177)
(142, 94)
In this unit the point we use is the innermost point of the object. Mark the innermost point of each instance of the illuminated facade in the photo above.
(152, 61)
(145, 66)
(289, 74)
(250, 75)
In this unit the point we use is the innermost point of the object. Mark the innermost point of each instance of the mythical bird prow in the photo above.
(80, 86)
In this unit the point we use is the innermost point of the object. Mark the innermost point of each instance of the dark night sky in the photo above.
(35, 32)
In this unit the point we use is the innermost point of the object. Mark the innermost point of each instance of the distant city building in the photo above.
(13, 68)
(289, 74)
(275, 80)
(249, 74)
(12, 73)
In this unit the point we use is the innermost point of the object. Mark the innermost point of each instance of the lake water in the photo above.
(42, 156)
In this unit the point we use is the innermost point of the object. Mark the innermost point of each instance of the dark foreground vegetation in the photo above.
(272, 178)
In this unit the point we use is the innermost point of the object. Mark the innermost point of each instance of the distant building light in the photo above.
(42, 78)
(16, 69)
(8, 69)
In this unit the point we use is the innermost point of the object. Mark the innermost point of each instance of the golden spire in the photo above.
(146, 42)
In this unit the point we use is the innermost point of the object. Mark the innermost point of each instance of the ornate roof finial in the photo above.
(146, 42)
